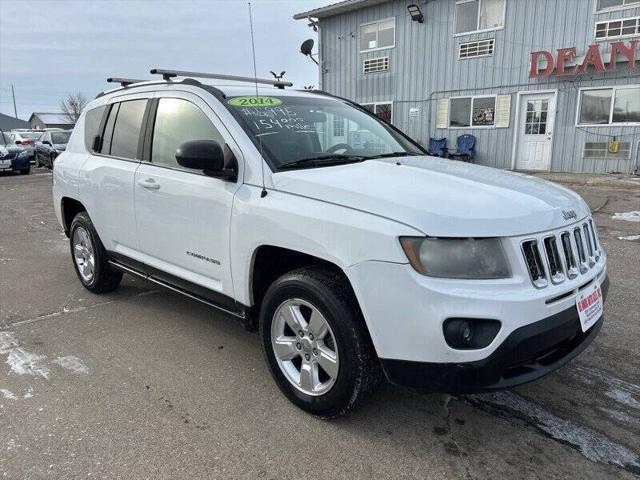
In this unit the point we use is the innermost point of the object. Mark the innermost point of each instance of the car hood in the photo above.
(441, 197)
(9, 149)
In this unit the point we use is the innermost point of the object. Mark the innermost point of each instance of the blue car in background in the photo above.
(12, 157)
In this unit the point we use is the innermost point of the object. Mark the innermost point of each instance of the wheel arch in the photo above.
(269, 262)
(69, 208)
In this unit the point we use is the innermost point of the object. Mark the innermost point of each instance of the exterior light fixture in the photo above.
(416, 13)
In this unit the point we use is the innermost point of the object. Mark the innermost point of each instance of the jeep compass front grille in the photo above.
(563, 255)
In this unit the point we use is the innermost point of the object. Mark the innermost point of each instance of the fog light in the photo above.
(470, 333)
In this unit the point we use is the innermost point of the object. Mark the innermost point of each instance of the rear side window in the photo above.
(179, 121)
(126, 132)
(108, 130)
(92, 121)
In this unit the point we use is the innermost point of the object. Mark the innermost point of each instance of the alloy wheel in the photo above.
(305, 347)
(83, 254)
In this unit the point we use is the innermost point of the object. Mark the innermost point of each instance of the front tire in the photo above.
(316, 342)
(26, 171)
(90, 258)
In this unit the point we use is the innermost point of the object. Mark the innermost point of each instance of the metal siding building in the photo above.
(424, 68)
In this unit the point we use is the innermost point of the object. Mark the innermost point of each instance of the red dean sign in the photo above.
(563, 65)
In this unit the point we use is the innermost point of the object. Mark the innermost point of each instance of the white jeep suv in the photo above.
(355, 254)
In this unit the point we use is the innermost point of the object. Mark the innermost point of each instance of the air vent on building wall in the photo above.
(481, 48)
(374, 65)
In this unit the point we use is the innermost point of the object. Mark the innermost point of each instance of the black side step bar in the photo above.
(241, 314)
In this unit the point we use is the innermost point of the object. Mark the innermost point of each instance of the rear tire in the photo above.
(312, 295)
(26, 171)
(90, 258)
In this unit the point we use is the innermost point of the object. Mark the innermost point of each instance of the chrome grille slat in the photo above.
(556, 269)
(557, 256)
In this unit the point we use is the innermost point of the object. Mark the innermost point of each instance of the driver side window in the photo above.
(179, 121)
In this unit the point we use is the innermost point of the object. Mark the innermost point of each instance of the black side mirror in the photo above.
(46, 142)
(205, 155)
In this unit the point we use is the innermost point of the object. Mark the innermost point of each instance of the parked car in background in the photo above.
(26, 139)
(13, 158)
(51, 144)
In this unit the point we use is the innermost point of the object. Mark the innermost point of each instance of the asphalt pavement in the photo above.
(144, 383)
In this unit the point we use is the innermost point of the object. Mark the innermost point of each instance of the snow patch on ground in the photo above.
(24, 362)
(593, 445)
(71, 363)
(625, 393)
(628, 216)
(8, 394)
(630, 238)
(619, 416)
(20, 360)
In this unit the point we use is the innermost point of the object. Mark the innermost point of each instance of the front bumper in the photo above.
(527, 354)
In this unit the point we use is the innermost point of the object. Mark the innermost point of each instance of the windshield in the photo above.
(294, 129)
(30, 135)
(60, 137)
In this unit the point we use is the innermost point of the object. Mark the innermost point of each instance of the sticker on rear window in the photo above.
(254, 101)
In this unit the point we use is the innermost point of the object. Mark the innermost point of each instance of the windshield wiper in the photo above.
(322, 161)
(394, 154)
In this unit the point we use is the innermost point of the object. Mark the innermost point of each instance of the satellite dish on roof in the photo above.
(307, 47)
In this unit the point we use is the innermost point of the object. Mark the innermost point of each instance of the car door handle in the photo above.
(149, 184)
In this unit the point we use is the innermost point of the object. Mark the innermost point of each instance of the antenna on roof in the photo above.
(124, 82)
(255, 74)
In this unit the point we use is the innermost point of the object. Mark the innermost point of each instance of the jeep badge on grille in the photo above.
(569, 214)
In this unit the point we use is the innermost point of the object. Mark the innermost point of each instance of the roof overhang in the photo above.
(337, 8)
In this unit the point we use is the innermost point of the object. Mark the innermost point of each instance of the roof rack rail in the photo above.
(124, 82)
(169, 74)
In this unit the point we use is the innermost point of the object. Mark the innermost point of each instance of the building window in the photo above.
(374, 65)
(467, 112)
(383, 110)
(482, 48)
(377, 35)
(479, 15)
(338, 126)
(627, 27)
(615, 4)
(600, 151)
(609, 106)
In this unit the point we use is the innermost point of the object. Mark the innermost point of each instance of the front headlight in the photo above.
(23, 154)
(467, 258)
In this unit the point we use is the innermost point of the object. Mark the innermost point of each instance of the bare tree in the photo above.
(72, 106)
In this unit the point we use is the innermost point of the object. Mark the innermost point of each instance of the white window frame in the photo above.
(613, 9)
(487, 40)
(613, 102)
(617, 37)
(471, 126)
(373, 23)
(375, 104)
(493, 29)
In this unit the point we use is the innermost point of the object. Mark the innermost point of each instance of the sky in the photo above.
(49, 49)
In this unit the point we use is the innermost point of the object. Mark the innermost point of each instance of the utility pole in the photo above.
(13, 94)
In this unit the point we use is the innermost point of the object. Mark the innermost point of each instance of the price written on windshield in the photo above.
(276, 118)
